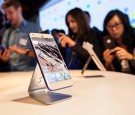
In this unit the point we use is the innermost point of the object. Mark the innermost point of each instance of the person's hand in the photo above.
(5, 55)
(108, 56)
(66, 40)
(121, 54)
(17, 50)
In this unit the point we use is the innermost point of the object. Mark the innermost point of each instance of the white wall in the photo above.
(54, 16)
(1, 2)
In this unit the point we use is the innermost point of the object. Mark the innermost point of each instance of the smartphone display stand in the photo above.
(39, 91)
(93, 56)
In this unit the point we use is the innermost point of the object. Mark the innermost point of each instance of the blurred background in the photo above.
(50, 14)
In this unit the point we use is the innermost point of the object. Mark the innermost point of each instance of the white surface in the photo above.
(113, 94)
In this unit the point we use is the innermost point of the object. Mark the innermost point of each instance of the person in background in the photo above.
(122, 57)
(3, 66)
(18, 50)
(79, 31)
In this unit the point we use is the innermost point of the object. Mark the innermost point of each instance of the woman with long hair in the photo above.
(122, 57)
(79, 31)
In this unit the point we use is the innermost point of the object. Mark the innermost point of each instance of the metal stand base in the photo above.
(49, 97)
(38, 90)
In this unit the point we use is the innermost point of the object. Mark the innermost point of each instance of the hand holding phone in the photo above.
(4, 55)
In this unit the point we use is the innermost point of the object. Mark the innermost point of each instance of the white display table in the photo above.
(113, 94)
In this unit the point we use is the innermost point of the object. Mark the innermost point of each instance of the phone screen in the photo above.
(50, 59)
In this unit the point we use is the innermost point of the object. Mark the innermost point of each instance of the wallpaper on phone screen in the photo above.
(50, 59)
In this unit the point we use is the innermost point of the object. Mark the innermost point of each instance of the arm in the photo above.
(5, 55)
(76, 47)
(108, 57)
(81, 52)
(22, 51)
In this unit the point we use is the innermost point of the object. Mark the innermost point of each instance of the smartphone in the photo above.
(50, 61)
(109, 42)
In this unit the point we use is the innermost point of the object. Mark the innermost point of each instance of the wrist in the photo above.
(73, 44)
(110, 67)
(27, 52)
(133, 57)
(108, 64)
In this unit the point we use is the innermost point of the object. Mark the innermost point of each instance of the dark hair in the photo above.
(88, 14)
(81, 20)
(57, 31)
(8, 3)
(128, 30)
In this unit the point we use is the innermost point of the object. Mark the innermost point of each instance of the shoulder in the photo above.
(31, 24)
(30, 27)
(97, 31)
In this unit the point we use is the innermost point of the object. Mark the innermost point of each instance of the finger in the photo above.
(61, 34)
(117, 48)
(110, 57)
(112, 51)
(118, 53)
(61, 38)
(107, 52)
(121, 57)
(6, 52)
(64, 42)
(11, 49)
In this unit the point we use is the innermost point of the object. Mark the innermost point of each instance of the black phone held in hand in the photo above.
(109, 43)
